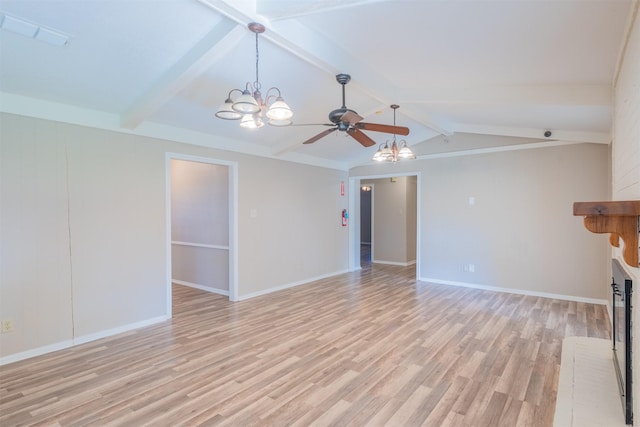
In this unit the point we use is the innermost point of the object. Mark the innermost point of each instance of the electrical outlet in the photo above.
(7, 326)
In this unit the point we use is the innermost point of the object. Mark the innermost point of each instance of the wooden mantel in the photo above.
(620, 219)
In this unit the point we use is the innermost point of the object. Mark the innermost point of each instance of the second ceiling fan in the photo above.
(346, 120)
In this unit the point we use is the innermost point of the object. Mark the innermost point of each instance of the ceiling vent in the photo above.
(34, 31)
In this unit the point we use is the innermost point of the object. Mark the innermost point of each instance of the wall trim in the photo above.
(80, 340)
(65, 113)
(202, 287)
(16, 357)
(515, 291)
(402, 264)
(200, 245)
(499, 149)
(290, 285)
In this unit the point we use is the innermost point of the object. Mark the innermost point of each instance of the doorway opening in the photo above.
(392, 204)
(201, 225)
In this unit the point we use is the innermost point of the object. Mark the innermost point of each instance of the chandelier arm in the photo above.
(233, 90)
(269, 96)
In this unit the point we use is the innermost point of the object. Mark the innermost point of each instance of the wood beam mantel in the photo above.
(619, 218)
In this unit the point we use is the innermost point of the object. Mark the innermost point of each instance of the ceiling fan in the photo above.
(346, 120)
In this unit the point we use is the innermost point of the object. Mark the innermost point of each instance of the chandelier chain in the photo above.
(257, 82)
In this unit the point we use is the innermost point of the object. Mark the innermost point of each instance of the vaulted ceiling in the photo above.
(507, 68)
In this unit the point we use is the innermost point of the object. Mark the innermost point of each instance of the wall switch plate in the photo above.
(7, 326)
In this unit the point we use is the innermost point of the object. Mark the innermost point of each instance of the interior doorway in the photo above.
(201, 224)
(395, 220)
(366, 222)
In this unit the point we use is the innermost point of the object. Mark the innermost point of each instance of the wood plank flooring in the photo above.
(362, 349)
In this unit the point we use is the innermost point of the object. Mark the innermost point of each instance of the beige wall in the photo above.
(83, 232)
(626, 165)
(521, 233)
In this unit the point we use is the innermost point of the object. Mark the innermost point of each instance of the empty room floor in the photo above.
(374, 347)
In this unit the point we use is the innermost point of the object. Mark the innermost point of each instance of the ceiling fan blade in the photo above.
(398, 130)
(318, 136)
(361, 137)
(351, 117)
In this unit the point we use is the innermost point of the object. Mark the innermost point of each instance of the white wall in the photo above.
(626, 166)
(83, 230)
(521, 233)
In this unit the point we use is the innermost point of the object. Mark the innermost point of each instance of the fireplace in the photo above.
(621, 288)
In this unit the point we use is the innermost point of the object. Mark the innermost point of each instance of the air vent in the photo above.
(34, 31)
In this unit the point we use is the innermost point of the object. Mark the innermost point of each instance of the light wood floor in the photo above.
(370, 348)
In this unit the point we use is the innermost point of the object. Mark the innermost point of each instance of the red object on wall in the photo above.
(342, 188)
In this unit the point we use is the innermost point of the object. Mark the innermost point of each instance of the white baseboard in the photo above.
(401, 264)
(516, 291)
(35, 352)
(289, 285)
(201, 287)
(79, 340)
(120, 329)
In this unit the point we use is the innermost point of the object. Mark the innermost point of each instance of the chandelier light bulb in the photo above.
(251, 121)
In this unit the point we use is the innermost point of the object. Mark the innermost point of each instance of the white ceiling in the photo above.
(504, 68)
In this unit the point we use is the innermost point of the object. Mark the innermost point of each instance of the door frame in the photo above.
(354, 208)
(371, 220)
(233, 220)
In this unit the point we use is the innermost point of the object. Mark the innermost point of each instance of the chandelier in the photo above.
(397, 151)
(248, 106)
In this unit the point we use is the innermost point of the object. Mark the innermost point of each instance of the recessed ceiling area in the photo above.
(496, 68)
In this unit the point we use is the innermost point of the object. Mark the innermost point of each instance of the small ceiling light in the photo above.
(249, 105)
(396, 151)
